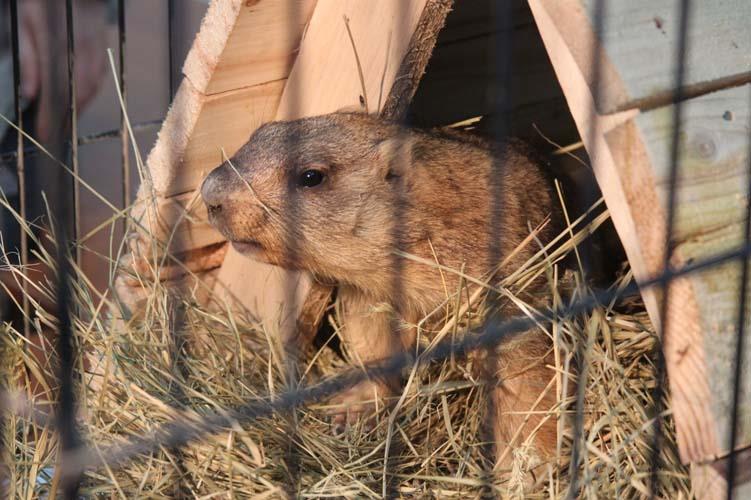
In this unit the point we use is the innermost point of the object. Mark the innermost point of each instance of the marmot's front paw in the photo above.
(360, 403)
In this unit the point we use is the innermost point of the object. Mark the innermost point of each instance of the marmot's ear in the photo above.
(395, 154)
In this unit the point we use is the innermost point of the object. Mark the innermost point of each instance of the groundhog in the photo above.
(351, 198)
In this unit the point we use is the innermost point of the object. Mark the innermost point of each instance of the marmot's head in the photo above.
(316, 193)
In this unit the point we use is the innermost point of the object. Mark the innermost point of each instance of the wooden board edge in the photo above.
(172, 141)
(208, 46)
(578, 34)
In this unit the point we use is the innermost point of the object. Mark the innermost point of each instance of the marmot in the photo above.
(347, 195)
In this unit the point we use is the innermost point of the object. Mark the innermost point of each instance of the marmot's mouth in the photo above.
(247, 247)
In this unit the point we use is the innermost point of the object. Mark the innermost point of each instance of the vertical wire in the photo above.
(6, 444)
(177, 322)
(291, 356)
(125, 155)
(501, 54)
(740, 345)
(73, 111)
(66, 413)
(171, 48)
(598, 16)
(401, 39)
(669, 245)
(20, 164)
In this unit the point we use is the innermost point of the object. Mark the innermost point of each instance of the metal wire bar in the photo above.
(740, 344)
(502, 53)
(124, 152)
(598, 15)
(179, 433)
(171, 46)
(177, 320)
(20, 164)
(66, 410)
(87, 139)
(73, 112)
(669, 245)
(291, 454)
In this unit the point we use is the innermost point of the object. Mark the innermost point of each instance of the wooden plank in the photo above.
(640, 41)
(628, 186)
(690, 396)
(325, 79)
(711, 207)
(239, 34)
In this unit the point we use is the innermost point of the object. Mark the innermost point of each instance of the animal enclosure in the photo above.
(172, 379)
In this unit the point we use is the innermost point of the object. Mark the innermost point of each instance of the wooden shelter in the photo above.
(259, 60)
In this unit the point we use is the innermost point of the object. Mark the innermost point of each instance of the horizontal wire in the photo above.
(9, 156)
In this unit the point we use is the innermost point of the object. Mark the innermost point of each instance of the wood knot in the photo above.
(703, 146)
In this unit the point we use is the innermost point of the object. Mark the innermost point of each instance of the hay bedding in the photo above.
(144, 380)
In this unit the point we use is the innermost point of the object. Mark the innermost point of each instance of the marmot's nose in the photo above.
(213, 191)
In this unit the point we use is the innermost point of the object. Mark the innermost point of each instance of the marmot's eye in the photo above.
(311, 178)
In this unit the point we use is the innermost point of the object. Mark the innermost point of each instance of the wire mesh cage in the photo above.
(426, 311)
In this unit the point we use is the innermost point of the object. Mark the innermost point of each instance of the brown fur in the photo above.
(387, 188)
